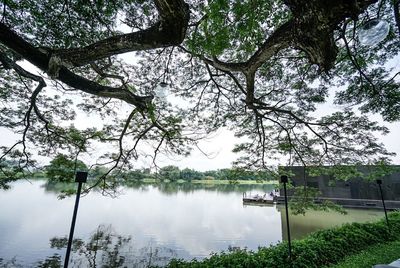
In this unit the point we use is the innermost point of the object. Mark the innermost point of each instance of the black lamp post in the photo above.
(284, 180)
(379, 182)
(81, 177)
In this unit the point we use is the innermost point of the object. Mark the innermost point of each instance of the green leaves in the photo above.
(62, 168)
(303, 199)
(171, 173)
(237, 27)
(239, 67)
(63, 24)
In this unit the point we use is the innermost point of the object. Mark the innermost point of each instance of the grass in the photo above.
(378, 254)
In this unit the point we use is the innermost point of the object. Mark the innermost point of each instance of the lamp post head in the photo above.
(284, 179)
(379, 181)
(373, 32)
(81, 176)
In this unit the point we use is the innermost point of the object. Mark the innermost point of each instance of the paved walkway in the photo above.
(395, 264)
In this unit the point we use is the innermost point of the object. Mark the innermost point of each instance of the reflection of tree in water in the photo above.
(151, 256)
(58, 187)
(9, 263)
(104, 249)
(50, 262)
(170, 188)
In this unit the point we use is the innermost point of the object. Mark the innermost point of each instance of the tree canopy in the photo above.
(62, 169)
(260, 68)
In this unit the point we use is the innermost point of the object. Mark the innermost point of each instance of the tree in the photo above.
(258, 67)
(63, 169)
(136, 174)
(191, 174)
(171, 173)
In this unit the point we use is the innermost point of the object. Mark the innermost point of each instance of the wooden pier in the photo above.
(259, 199)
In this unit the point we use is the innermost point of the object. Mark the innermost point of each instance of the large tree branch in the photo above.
(315, 21)
(170, 30)
(9, 64)
(310, 30)
(41, 59)
(280, 39)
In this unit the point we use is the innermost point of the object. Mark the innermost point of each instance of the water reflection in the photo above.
(53, 261)
(13, 263)
(187, 187)
(104, 248)
(302, 225)
(58, 187)
(149, 222)
(169, 188)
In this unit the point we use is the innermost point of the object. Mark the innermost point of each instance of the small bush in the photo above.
(319, 249)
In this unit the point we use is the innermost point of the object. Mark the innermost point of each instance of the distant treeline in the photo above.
(173, 173)
(61, 169)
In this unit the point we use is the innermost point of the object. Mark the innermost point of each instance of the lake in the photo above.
(146, 224)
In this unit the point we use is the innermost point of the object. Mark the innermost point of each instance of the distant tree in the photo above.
(211, 174)
(136, 174)
(226, 174)
(222, 174)
(191, 174)
(62, 168)
(171, 173)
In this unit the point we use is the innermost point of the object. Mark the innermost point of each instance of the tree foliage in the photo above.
(171, 173)
(260, 68)
(63, 169)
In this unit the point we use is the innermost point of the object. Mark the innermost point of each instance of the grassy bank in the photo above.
(378, 254)
(320, 249)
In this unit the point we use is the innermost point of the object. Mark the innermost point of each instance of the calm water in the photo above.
(145, 224)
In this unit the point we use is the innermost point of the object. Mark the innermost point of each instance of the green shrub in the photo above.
(319, 249)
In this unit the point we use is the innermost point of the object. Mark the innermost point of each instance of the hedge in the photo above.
(320, 249)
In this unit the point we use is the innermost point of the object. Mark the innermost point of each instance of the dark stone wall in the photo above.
(356, 188)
